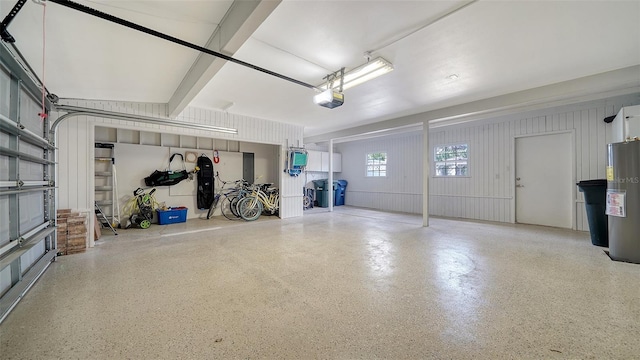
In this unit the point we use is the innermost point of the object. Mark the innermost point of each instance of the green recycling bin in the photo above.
(322, 192)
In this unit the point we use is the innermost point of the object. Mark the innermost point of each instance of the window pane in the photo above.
(376, 164)
(451, 160)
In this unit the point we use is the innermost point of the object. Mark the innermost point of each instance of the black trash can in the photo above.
(340, 188)
(595, 200)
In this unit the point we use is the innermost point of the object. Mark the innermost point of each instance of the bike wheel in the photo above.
(225, 207)
(234, 205)
(250, 208)
(212, 208)
(306, 203)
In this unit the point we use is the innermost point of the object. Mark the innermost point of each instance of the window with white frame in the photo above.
(451, 160)
(377, 164)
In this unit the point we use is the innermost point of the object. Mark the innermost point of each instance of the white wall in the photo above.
(151, 151)
(488, 193)
(401, 189)
(265, 161)
(75, 141)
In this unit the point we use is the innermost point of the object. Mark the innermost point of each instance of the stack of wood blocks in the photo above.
(71, 232)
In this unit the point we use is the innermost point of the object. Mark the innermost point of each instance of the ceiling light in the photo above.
(453, 77)
(361, 74)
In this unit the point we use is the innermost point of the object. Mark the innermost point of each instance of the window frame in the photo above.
(366, 165)
(436, 162)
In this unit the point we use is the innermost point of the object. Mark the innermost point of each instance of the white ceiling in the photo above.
(495, 47)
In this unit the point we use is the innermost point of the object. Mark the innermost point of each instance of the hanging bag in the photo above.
(205, 193)
(167, 177)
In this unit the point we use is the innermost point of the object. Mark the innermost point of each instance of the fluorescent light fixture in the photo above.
(361, 74)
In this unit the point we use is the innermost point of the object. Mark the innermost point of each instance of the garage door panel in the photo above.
(30, 257)
(5, 280)
(5, 220)
(4, 140)
(5, 88)
(4, 164)
(29, 110)
(31, 211)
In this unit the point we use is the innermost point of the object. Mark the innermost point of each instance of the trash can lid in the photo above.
(319, 184)
(596, 182)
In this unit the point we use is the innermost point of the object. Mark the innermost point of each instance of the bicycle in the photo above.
(307, 200)
(229, 206)
(262, 199)
(224, 198)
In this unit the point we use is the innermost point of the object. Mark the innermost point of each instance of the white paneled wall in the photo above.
(75, 141)
(259, 131)
(401, 189)
(487, 194)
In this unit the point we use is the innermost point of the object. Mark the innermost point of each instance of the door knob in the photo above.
(517, 179)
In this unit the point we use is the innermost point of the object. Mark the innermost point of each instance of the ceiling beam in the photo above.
(238, 24)
(608, 84)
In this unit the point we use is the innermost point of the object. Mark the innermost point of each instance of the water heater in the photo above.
(623, 200)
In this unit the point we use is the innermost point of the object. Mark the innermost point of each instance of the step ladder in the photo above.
(106, 185)
(102, 218)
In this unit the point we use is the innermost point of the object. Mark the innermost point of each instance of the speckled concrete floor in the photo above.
(349, 284)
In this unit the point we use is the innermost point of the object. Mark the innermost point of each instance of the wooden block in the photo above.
(63, 211)
(96, 228)
(69, 215)
(77, 230)
(61, 245)
(76, 240)
(76, 243)
(76, 220)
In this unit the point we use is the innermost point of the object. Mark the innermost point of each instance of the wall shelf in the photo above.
(150, 138)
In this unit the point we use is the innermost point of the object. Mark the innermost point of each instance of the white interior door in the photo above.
(544, 174)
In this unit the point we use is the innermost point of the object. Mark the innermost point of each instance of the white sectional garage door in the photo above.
(27, 192)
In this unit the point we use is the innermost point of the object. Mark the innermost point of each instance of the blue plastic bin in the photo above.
(340, 189)
(172, 216)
